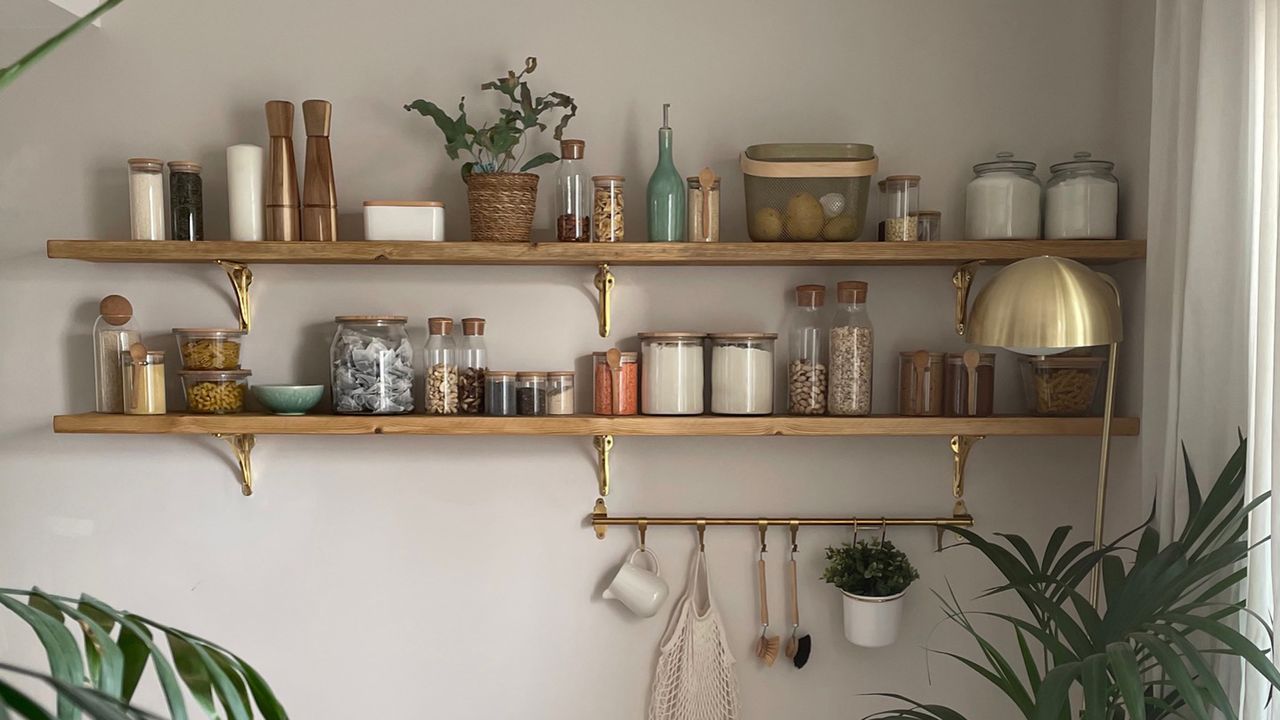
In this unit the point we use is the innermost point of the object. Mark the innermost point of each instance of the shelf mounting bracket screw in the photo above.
(604, 282)
(241, 278)
(962, 279)
(242, 446)
(604, 446)
(597, 513)
(960, 447)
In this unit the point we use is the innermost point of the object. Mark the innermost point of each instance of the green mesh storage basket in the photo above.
(807, 192)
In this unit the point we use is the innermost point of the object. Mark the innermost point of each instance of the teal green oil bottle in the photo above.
(666, 191)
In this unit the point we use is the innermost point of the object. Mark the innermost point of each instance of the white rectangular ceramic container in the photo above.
(403, 220)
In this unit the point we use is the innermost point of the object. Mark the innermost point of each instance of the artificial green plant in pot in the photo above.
(874, 576)
(500, 199)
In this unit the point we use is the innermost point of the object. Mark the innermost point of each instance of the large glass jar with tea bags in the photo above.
(372, 363)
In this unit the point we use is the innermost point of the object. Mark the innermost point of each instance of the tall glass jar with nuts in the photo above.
(442, 367)
(852, 345)
(473, 361)
(807, 371)
(607, 213)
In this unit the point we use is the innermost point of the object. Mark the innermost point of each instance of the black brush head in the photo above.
(803, 647)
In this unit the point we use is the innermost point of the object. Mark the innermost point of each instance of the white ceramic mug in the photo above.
(642, 591)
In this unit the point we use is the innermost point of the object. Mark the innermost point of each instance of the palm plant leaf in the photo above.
(11, 73)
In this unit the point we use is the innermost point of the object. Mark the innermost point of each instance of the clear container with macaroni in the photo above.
(1061, 385)
(673, 373)
(215, 392)
(742, 373)
(209, 348)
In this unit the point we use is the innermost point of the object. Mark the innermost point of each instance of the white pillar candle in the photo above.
(245, 199)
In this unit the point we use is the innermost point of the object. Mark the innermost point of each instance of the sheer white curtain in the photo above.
(1211, 356)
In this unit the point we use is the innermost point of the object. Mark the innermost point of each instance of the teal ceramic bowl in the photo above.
(288, 399)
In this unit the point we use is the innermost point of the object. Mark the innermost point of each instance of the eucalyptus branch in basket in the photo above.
(493, 147)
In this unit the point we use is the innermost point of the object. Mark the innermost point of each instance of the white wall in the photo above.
(454, 577)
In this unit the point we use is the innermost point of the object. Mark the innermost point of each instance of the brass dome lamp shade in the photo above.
(1045, 305)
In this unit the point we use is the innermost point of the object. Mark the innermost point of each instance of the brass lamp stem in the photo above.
(1100, 505)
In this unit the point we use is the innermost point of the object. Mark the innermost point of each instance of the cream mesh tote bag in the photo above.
(695, 678)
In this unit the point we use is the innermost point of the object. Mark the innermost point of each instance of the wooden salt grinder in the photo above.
(319, 194)
(282, 188)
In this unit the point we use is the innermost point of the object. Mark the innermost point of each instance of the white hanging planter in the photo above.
(872, 621)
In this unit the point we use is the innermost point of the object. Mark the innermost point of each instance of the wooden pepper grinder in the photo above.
(282, 190)
(319, 195)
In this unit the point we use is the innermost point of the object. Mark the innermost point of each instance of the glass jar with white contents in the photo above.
(146, 199)
(742, 373)
(1081, 200)
(1002, 201)
(673, 373)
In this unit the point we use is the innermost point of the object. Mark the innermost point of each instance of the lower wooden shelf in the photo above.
(586, 425)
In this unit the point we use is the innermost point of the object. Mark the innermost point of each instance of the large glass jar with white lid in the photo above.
(442, 368)
(852, 349)
(673, 374)
(807, 371)
(1081, 200)
(742, 373)
(372, 363)
(1002, 201)
(473, 361)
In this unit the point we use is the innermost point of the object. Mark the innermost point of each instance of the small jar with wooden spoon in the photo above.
(971, 383)
(704, 207)
(143, 380)
(920, 384)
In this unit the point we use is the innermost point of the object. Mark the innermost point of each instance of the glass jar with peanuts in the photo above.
(442, 368)
(215, 392)
(608, 215)
(209, 348)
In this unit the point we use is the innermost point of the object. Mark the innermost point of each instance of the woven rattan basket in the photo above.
(807, 192)
(501, 206)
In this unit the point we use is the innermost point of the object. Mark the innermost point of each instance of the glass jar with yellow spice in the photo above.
(142, 378)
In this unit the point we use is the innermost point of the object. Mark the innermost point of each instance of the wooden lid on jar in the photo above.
(499, 374)
(472, 326)
(811, 295)
(370, 319)
(561, 374)
(572, 149)
(627, 357)
(403, 203)
(676, 335)
(440, 325)
(532, 375)
(744, 336)
(146, 164)
(184, 166)
(851, 291)
(115, 309)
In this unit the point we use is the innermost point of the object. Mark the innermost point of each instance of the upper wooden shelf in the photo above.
(586, 425)
(476, 253)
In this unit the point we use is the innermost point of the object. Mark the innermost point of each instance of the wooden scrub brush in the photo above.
(767, 645)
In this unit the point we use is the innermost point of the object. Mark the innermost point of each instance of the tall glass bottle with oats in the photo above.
(852, 348)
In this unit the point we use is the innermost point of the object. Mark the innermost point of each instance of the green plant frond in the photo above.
(918, 710)
(1128, 677)
(1172, 666)
(106, 660)
(1053, 702)
(1204, 675)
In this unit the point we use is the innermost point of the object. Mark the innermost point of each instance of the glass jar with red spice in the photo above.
(615, 389)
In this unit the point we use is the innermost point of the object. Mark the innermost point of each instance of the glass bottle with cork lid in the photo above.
(852, 348)
(442, 367)
(473, 362)
(807, 371)
(899, 206)
(666, 191)
(573, 188)
(186, 201)
(113, 335)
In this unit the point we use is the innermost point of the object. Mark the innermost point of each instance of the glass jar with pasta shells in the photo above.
(215, 392)
(608, 213)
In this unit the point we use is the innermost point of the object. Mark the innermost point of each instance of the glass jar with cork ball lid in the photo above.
(113, 335)
(852, 348)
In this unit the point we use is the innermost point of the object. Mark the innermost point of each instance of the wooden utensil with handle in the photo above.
(614, 358)
(706, 179)
(920, 360)
(138, 353)
(971, 358)
(767, 646)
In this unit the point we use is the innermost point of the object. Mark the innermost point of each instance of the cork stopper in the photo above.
(473, 326)
(572, 149)
(811, 295)
(851, 291)
(440, 325)
(115, 309)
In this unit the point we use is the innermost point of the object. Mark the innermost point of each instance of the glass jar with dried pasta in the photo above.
(1063, 385)
(608, 215)
(217, 392)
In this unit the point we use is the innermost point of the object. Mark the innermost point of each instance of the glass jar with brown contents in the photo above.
(971, 384)
(704, 210)
(920, 383)
(608, 215)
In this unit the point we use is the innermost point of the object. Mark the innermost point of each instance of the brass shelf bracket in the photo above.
(604, 447)
(605, 281)
(962, 279)
(241, 278)
(242, 446)
(960, 447)
(598, 513)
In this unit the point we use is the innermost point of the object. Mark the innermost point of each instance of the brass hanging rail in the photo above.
(600, 521)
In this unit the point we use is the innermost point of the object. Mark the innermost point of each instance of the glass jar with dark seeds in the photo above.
(500, 393)
(531, 393)
(186, 201)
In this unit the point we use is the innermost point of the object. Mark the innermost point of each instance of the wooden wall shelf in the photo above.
(594, 254)
(586, 425)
